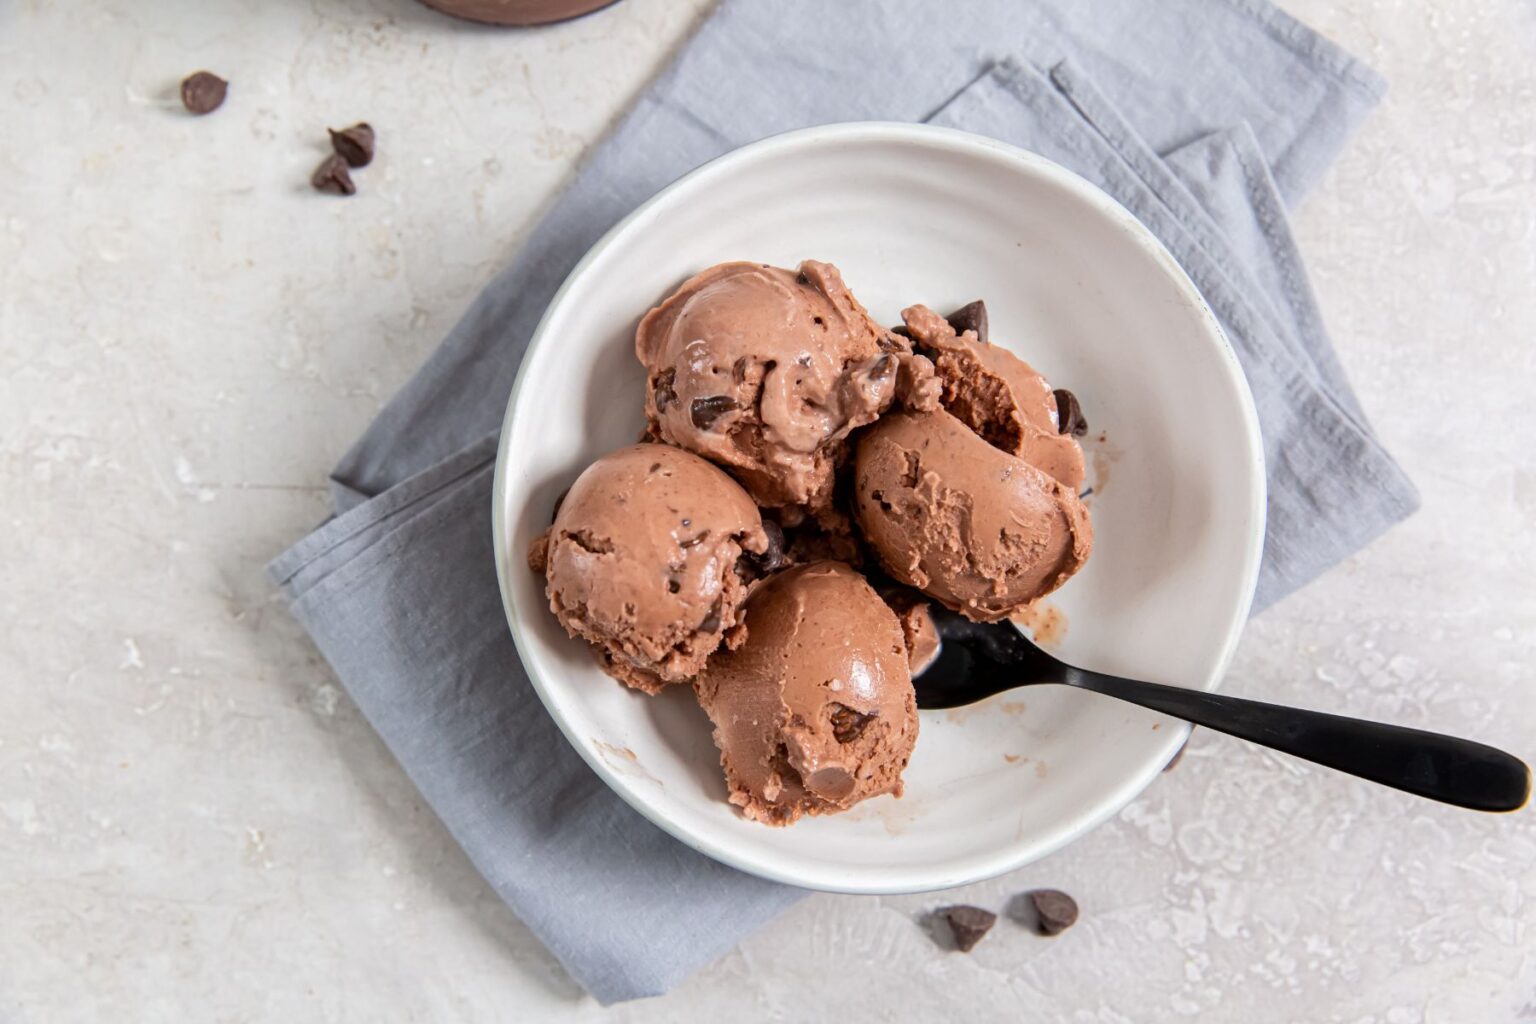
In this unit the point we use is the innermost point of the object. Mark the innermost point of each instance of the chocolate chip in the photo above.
(665, 396)
(969, 925)
(882, 368)
(706, 411)
(203, 92)
(354, 145)
(772, 557)
(801, 278)
(1069, 415)
(693, 541)
(332, 177)
(970, 317)
(739, 370)
(1055, 911)
(848, 724)
(711, 621)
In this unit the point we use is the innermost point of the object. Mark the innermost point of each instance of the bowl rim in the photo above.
(847, 878)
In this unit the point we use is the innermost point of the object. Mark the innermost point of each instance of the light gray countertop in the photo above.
(196, 824)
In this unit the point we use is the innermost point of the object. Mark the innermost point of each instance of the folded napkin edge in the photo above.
(340, 528)
(1309, 42)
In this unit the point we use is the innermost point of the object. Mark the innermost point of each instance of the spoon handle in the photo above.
(1454, 771)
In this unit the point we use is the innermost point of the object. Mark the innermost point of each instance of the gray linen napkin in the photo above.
(1206, 118)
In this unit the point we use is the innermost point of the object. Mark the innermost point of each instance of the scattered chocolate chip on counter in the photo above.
(354, 145)
(332, 177)
(203, 92)
(1055, 911)
(969, 925)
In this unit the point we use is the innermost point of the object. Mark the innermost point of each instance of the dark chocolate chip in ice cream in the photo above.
(970, 317)
(705, 411)
(1069, 414)
(772, 559)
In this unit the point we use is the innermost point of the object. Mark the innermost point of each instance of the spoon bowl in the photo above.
(978, 660)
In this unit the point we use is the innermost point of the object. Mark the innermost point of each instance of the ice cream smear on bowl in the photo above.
(775, 402)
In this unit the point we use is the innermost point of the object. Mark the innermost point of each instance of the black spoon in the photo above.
(978, 660)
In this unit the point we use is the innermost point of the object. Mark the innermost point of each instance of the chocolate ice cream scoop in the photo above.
(998, 395)
(979, 530)
(766, 371)
(815, 710)
(642, 561)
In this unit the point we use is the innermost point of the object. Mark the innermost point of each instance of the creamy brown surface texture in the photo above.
(815, 710)
(981, 531)
(766, 371)
(642, 561)
(791, 444)
(917, 626)
(998, 395)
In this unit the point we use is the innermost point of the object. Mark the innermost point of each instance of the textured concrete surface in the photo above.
(195, 824)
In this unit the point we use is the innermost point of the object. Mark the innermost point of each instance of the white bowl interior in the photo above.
(1073, 284)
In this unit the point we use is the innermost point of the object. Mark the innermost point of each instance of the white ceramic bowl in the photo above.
(1073, 283)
